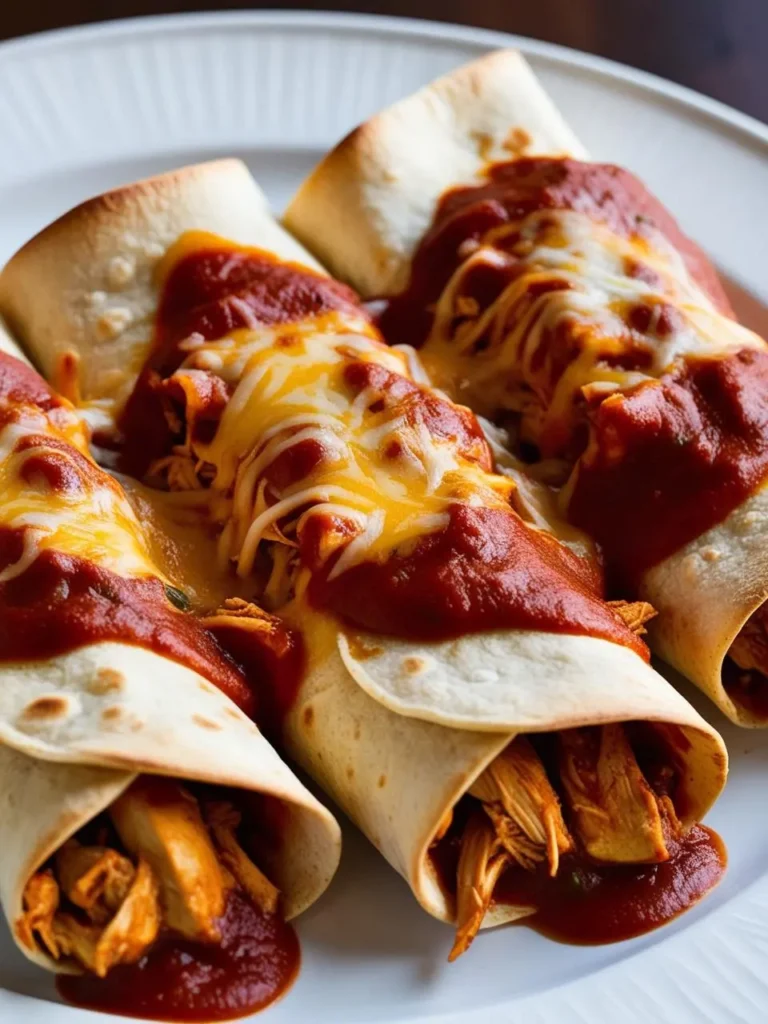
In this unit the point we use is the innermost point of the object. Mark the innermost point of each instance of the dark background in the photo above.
(719, 47)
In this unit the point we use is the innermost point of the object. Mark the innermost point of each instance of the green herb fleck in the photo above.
(177, 598)
(577, 882)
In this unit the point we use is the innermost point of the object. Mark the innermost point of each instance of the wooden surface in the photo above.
(719, 47)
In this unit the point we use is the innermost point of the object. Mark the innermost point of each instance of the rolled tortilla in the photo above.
(106, 321)
(93, 716)
(395, 730)
(364, 212)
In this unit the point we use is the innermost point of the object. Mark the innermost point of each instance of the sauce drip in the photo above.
(62, 602)
(178, 980)
(591, 904)
(511, 191)
(275, 664)
(671, 459)
(486, 570)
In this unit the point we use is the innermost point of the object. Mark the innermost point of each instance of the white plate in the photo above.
(85, 110)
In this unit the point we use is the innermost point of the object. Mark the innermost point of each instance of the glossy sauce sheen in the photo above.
(693, 446)
(513, 190)
(487, 570)
(591, 904)
(256, 961)
(63, 602)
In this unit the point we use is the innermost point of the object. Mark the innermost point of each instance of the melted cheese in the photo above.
(92, 520)
(542, 348)
(289, 388)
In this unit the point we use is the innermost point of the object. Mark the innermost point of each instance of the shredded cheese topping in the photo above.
(378, 476)
(91, 518)
(566, 326)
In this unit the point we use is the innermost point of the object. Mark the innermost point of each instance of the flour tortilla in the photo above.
(396, 762)
(396, 774)
(364, 210)
(99, 264)
(78, 728)
(366, 206)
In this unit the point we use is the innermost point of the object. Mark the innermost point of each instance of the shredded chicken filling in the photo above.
(750, 648)
(603, 808)
(178, 859)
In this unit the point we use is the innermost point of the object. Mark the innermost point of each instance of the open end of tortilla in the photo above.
(161, 893)
(587, 830)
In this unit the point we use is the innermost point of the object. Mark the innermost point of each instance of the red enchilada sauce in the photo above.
(212, 288)
(588, 903)
(177, 980)
(511, 191)
(61, 601)
(486, 570)
(278, 659)
(674, 456)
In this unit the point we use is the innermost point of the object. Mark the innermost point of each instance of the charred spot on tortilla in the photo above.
(517, 141)
(48, 707)
(414, 665)
(106, 680)
(362, 649)
(308, 716)
(484, 143)
(112, 713)
(206, 723)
